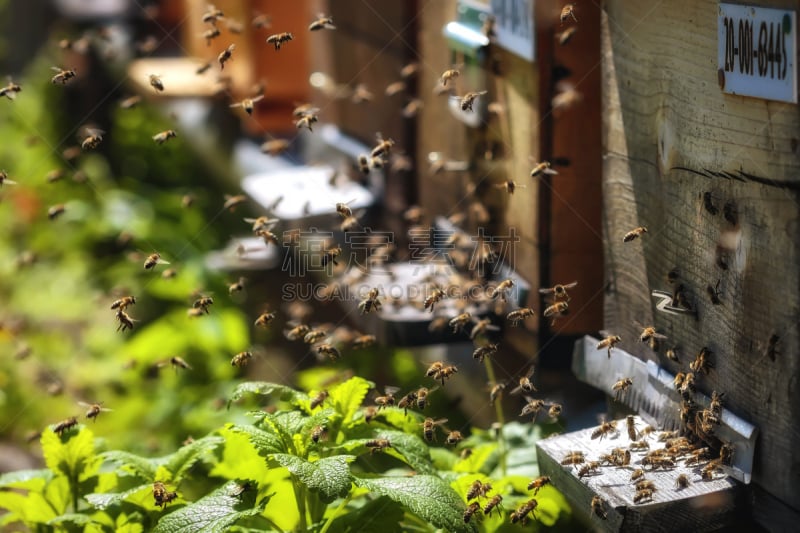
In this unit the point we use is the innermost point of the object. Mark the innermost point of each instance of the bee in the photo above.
(264, 319)
(62, 75)
(484, 351)
(261, 21)
(672, 354)
(565, 36)
(248, 104)
(446, 373)
(433, 298)
(538, 483)
(211, 34)
(716, 404)
(363, 164)
(460, 321)
(708, 471)
(387, 399)
(330, 255)
(156, 83)
(407, 401)
(772, 344)
(555, 311)
(322, 23)
(429, 428)
(521, 514)
(65, 425)
(212, 14)
(330, 350)
(267, 236)
(468, 100)
(634, 234)
(4, 179)
(568, 11)
(297, 332)
(621, 386)
(10, 91)
(478, 489)
(649, 332)
(453, 438)
(609, 342)
(542, 168)
(449, 75)
(162, 496)
(555, 411)
(306, 121)
(169, 273)
(203, 303)
(361, 94)
(55, 211)
(237, 286)
(604, 429)
(363, 341)
(525, 383)
(493, 502)
(319, 399)
(93, 138)
(241, 359)
(502, 289)
(275, 147)
(319, 433)
(644, 484)
(472, 508)
(233, 201)
(93, 410)
(179, 362)
(532, 407)
(409, 70)
(383, 148)
(370, 413)
(515, 317)
(496, 392)
(194, 313)
(481, 327)
(590, 468)
(123, 302)
(370, 303)
(598, 507)
(637, 474)
(261, 223)
(164, 136)
(279, 38)
(395, 88)
(377, 445)
(314, 335)
(631, 424)
(682, 482)
(701, 363)
(510, 186)
(573, 458)
(643, 495)
(714, 293)
(125, 321)
(225, 56)
(422, 396)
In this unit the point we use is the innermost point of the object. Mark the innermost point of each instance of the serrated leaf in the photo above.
(330, 477)
(265, 388)
(380, 515)
(263, 441)
(177, 463)
(107, 499)
(213, 513)
(31, 508)
(408, 448)
(71, 518)
(128, 462)
(71, 454)
(347, 397)
(428, 497)
(482, 459)
(33, 480)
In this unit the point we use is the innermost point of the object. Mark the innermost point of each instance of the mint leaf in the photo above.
(330, 476)
(71, 454)
(33, 480)
(263, 441)
(428, 497)
(214, 513)
(380, 515)
(177, 463)
(347, 397)
(265, 388)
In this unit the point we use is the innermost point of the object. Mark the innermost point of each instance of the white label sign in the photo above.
(514, 27)
(757, 52)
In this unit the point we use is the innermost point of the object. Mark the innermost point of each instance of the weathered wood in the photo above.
(702, 506)
(670, 136)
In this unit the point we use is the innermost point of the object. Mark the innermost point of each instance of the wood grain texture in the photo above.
(702, 506)
(671, 135)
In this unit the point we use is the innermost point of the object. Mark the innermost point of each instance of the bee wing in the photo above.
(570, 285)
(257, 98)
(549, 171)
(547, 290)
(605, 333)
(84, 404)
(518, 390)
(440, 421)
(237, 104)
(659, 336)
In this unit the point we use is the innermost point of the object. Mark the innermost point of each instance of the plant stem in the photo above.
(336, 512)
(74, 489)
(300, 496)
(498, 408)
(424, 526)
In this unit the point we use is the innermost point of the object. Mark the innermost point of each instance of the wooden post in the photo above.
(715, 179)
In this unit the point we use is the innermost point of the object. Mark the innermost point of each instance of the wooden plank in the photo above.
(671, 136)
(701, 506)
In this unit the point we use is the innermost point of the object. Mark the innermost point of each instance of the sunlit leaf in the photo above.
(330, 477)
(71, 454)
(348, 396)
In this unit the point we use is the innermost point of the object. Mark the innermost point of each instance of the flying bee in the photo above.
(93, 138)
(268, 237)
(621, 386)
(478, 489)
(125, 321)
(538, 483)
(179, 362)
(598, 507)
(212, 15)
(322, 23)
(248, 104)
(314, 335)
(634, 234)
(471, 509)
(395, 88)
(225, 56)
(407, 401)
(383, 148)
(62, 75)
(493, 502)
(542, 168)
(565, 36)
(279, 38)
(701, 363)
(65, 425)
(568, 11)
(422, 396)
(555, 311)
(264, 319)
(434, 369)
(484, 351)
(275, 147)
(482, 327)
(525, 383)
(672, 354)
(155, 82)
(449, 75)
(468, 100)
(297, 332)
(10, 91)
(363, 164)
(55, 211)
(517, 316)
(605, 428)
(4, 179)
(363, 341)
(319, 433)
(261, 223)
(445, 373)
(370, 303)
(453, 438)
(573, 458)
(433, 298)
(123, 303)
(164, 136)
(609, 342)
(194, 312)
(169, 273)
(460, 321)
(370, 413)
(211, 34)
(649, 332)
(429, 428)
(306, 121)
(510, 186)
(532, 407)
(237, 286)
(203, 303)
(559, 292)
(631, 424)
(521, 514)
(233, 201)
(93, 410)
(377, 445)
(555, 411)
(241, 359)
(329, 350)
(643, 495)
(502, 289)
(319, 399)
(261, 21)
(496, 392)
(387, 398)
